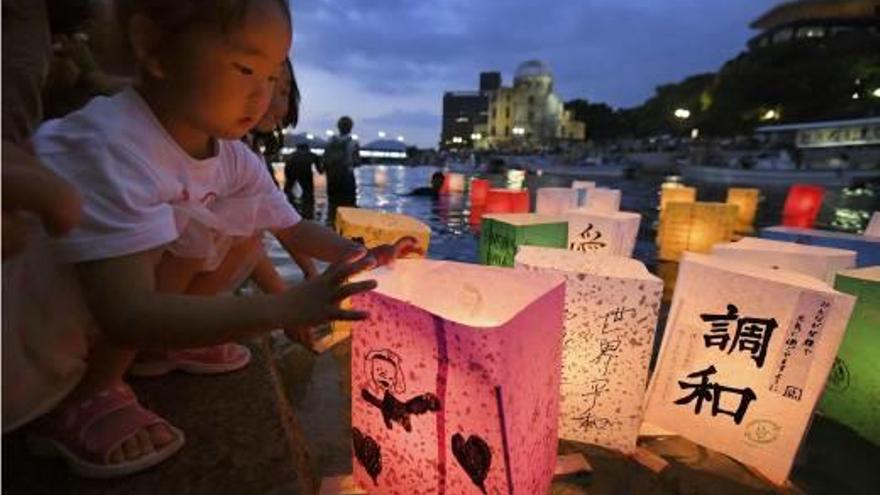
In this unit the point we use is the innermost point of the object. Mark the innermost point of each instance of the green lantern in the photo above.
(502, 234)
(852, 395)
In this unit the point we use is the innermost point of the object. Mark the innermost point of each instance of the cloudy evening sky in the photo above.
(387, 62)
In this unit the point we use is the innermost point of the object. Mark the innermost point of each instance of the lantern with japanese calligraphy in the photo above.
(555, 200)
(501, 235)
(819, 262)
(373, 228)
(479, 190)
(694, 227)
(507, 201)
(455, 379)
(602, 199)
(802, 205)
(746, 199)
(852, 395)
(744, 359)
(453, 183)
(873, 228)
(611, 307)
(867, 247)
(602, 232)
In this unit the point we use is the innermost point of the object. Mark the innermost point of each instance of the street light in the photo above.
(476, 136)
(770, 115)
(310, 136)
(518, 131)
(682, 113)
(328, 132)
(354, 136)
(400, 138)
(381, 134)
(876, 93)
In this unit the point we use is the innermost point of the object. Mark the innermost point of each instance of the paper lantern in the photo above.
(694, 227)
(455, 380)
(582, 186)
(673, 192)
(744, 359)
(602, 232)
(515, 179)
(501, 235)
(852, 395)
(453, 183)
(373, 228)
(555, 200)
(611, 307)
(479, 190)
(380, 176)
(601, 199)
(818, 262)
(746, 199)
(867, 248)
(873, 228)
(507, 201)
(802, 205)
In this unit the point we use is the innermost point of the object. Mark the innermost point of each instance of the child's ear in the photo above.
(146, 39)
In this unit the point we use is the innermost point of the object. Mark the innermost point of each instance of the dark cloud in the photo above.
(404, 118)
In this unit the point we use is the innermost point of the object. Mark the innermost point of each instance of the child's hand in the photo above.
(404, 246)
(316, 301)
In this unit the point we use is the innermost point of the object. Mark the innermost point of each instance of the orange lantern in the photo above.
(746, 199)
(802, 205)
(479, 190)
(672, 192)
(507, 201)
(694, 227)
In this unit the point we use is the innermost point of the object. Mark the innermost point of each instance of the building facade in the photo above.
(463, 111)
(815, 19)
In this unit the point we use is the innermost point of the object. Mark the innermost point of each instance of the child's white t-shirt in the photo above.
(140, 190)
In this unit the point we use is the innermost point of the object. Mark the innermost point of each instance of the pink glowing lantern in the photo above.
(455, 380)
(479, 190)
(555, 200)
(507, 201)
(453, 183)
(802, 205)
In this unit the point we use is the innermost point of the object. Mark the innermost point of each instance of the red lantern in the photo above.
(802, 205)
(507, 201)
(479, 190)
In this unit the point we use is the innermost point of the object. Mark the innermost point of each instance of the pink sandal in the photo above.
(88, 455)
(222, 358)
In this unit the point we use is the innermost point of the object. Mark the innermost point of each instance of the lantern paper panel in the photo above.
(818, 262)
(676, 193)
(852, 395)
(582, 186)
(873, 228)
(555, 200)
(501, 235)
(746, 199)
(455, 380)
(611, 308)
(694, 227)
(802, 205)
(599, 232)
(602, 199)
(867, 248)
(744, 359)
(507, 201)
(453, 183)
(479, 190)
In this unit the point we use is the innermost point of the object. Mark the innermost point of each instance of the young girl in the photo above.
(173, 206)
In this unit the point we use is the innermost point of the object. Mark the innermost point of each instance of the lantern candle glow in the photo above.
(802, 205)
(694, 227)
(507, 201)
(746, 199)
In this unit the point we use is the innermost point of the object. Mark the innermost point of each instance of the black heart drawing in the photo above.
(368, 453)
(474, 456)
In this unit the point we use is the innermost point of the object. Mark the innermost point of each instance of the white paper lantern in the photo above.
(744, 359)
(818, 262)
(873, 228)
(555, 200)
(611, 307)
(602, 199)
(601, 232)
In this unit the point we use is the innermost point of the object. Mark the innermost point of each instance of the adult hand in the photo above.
(404, 246)
(30, 187)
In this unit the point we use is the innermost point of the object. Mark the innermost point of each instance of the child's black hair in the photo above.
(293, 99)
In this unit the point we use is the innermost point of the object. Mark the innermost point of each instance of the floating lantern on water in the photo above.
(818, 262)
(602, 199)
(611, 308)
(374, 228)
(582, 186)
(673, 192)
(744, 359)
(694, 227)
(802, 205)
(479, 190)
(455, 379)
(516, 178)
(867, 248)
(453, 183)
(853, 390)
(555, 200)
(507, 201)
(601, 232)
(501, 235)
(380, 176)
(746, 199)
(873, 228)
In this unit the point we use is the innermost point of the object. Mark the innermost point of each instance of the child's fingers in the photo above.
(348, 290)
(344, 271)
(348, 314)
(407, 245)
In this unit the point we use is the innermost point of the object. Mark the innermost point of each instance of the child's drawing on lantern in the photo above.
(367, 452)
(386, 378)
